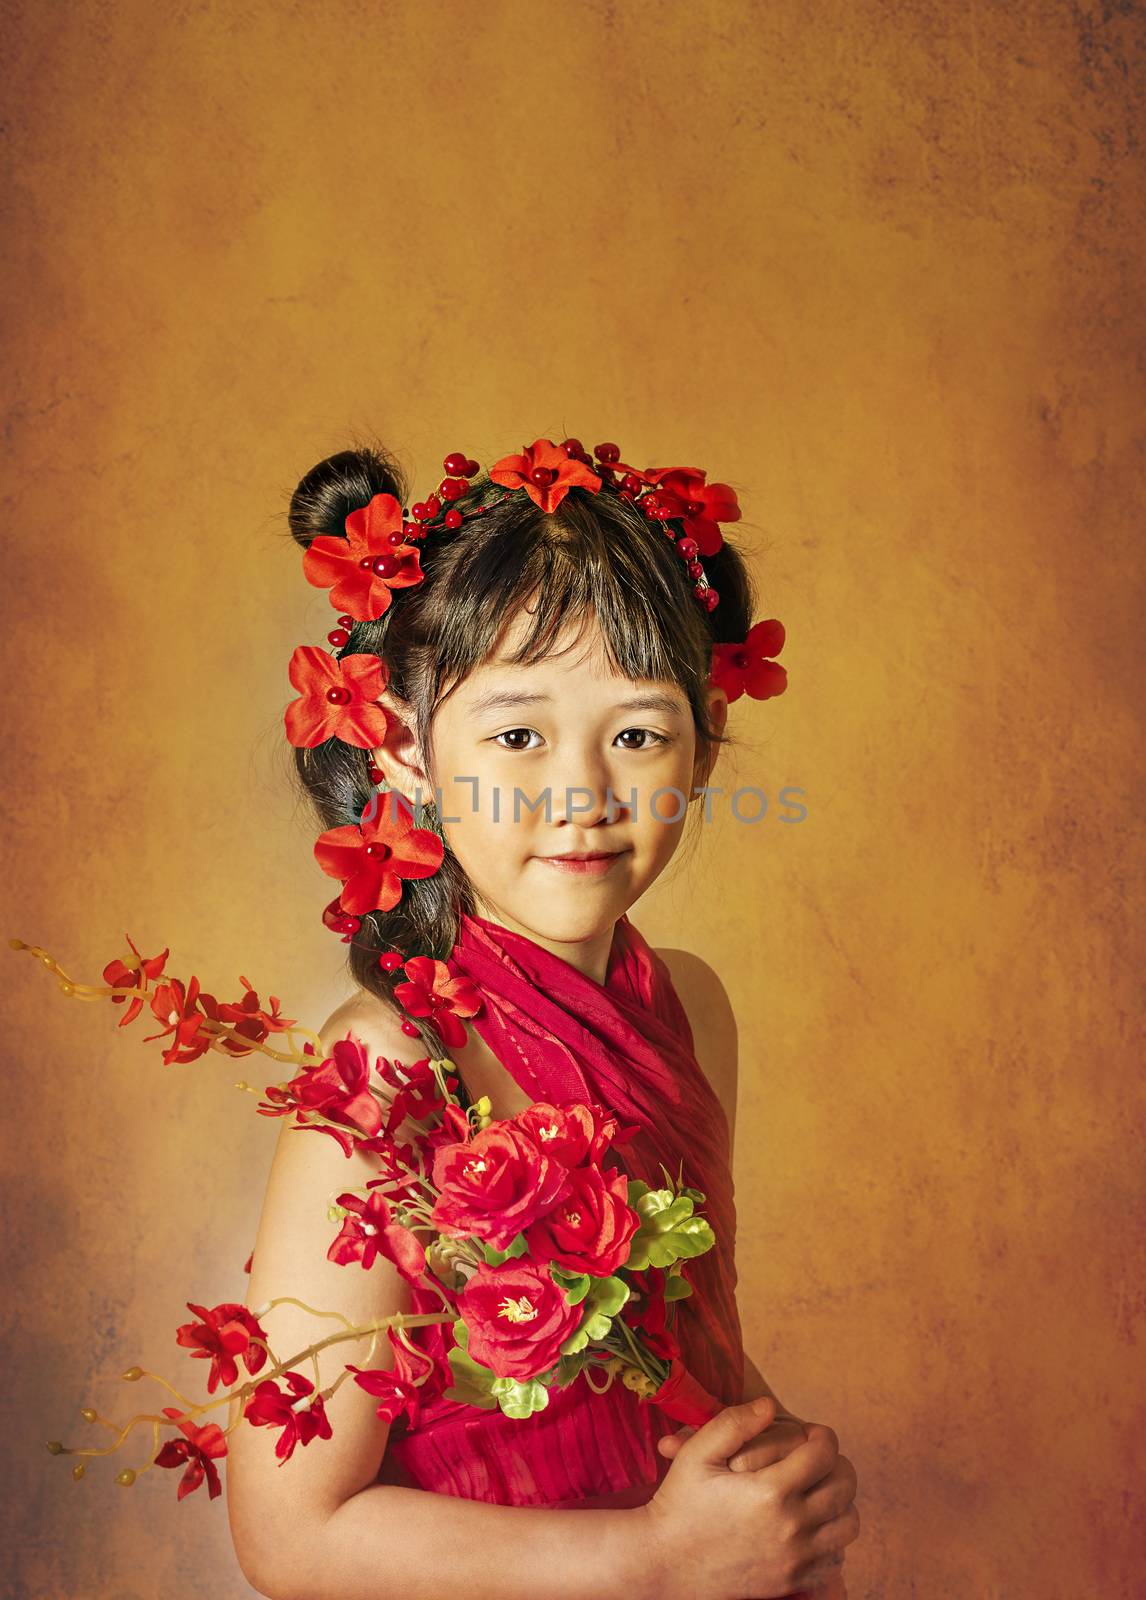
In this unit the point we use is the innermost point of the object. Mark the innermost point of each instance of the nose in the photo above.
(590, 801)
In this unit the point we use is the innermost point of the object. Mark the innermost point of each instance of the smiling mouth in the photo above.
(594, 866)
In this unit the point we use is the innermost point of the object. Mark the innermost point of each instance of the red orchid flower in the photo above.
(702, 505)
(178, 1007)
(372, 858)
(338, 1088)
(221, 1334)
(397, 1387)
(415, 1091)
(361, 569)
(737, 668)
(117, 972)
(200, 1450)
(269, 1407)
(370, 1231)
(433, 992)
(337, 698)
(516, 472)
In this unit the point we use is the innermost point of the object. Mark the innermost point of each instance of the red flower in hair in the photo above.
(747, 667)
(516, 472)
(224, 1332)
(200, 1449)
(370, 1231)
(702, 505)
(179, 1008)
(433, 992)
(361, 569)
(115, 972)
(372, 858)
(269, 1407)
(337, 698)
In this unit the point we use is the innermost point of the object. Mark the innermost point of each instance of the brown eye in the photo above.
(509, 733)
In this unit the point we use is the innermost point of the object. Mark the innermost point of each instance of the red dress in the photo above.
(627, 1045)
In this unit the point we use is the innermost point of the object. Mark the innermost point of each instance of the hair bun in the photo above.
(340, 484)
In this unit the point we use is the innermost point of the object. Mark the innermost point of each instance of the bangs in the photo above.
(593, 559)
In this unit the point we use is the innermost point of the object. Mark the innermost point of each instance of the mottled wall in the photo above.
(878, 265)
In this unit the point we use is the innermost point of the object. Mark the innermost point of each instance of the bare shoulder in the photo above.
(362, 1016)
(713, 1022)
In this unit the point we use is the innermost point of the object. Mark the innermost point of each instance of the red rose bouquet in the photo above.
(549, 1262)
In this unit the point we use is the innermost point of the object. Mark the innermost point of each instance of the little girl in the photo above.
(538, 676)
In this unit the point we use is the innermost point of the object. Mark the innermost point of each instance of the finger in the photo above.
(771, 1446)
(722, 1435)
(832, 1496)
(807, 1463)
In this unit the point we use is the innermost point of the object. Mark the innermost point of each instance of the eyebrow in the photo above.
(506, 701)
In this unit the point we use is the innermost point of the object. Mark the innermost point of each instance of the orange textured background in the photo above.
(880, 267)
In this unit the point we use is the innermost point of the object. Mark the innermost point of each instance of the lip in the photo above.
(594, 866)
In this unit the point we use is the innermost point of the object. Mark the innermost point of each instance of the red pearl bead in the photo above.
(367, 561)
(346, 622)
(378, 850)
(349, 925)
(453, 488)
(410, 1030)
(375, 774)
(607, 452)
(338, 696)
(687, 547)
(695, 570)
(390, 961)
(711, 599)
(573, 448)
(433, 506)
(395, 536)
(419, 511)
(454, 518)
(542, 476)
(632, 483)
(385, 566)
(456, 463)
(695, 508)
(411, 530)
(470, 468)
(338, 637)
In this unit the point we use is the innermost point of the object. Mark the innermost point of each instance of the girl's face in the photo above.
(564, 756)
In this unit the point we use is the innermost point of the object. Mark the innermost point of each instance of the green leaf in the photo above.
(574, 1285)
(520, 1399)
(677, 1288)
(494, 1258)
(473, 1383)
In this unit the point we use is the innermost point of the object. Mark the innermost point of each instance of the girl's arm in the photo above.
(320, 1524)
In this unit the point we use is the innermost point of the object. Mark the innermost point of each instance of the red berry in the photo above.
(385, 566)
(456, 463)
(542, 476)
(687, 547)
(338, 637)
(390, 961)
(433, 506)
(470, 468)
(346, 622)
(338, 696)
(409, 1029)
(419, 511)
(454, 518)
(695, 570)
(607, 452)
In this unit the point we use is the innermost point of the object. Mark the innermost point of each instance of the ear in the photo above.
(398, 757)
(718, 716)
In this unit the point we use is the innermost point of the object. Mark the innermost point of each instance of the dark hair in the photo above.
(596, 553)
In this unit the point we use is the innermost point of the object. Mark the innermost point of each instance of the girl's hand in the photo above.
(776, 1441)
(772, 1531)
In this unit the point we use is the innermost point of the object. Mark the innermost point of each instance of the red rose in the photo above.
(575, 1132)
(494, 1185)
(590, 1231)
(517, 1319)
